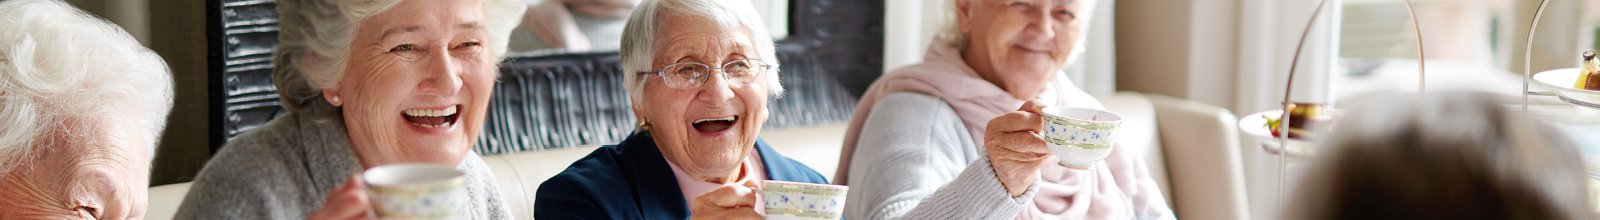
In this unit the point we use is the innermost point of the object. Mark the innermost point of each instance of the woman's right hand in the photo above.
(732, 201)
(349, 201)
(1015, 149)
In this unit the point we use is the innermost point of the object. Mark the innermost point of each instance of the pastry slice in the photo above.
(1589, 75)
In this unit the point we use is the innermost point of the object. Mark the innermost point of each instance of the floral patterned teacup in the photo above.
(792, 200)
(1080, 137)
(416, 191)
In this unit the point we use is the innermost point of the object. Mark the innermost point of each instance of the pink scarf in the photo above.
(1097, 193)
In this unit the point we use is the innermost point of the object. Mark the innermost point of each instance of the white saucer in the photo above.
(1255, 126)
(1560, 81)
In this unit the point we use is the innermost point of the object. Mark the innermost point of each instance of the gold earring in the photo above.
(644, 125)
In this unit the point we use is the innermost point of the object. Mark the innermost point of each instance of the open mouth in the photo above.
(714, 125)
(431, 118)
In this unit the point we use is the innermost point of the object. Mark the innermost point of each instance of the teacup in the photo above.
(417, 191)
(792, 200)
(1080, 137)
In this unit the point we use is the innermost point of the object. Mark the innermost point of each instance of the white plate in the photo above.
(1255, 125)
(1560, 81)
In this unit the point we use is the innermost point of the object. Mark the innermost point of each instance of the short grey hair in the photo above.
(66, 72)
(327, 27)
(639, 36)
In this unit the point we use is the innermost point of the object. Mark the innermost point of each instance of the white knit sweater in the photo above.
(915, 160)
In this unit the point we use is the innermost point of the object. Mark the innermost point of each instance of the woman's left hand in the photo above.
(733, 201)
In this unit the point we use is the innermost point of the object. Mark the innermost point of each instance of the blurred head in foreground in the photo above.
(1443, 155)
(81, 107)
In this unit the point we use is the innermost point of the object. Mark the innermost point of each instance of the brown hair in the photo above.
(1449, 155)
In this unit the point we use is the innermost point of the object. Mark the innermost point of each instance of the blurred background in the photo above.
(1232, 54)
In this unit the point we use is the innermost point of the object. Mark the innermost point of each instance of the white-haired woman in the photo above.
(81, 108)
(699, 73)
(366, 83)
(955, 137)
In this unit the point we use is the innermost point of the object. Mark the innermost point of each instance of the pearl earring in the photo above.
(336, 101)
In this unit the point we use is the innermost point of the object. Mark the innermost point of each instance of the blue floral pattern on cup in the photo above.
(791, 200)
(1080, 137)
(420, 202)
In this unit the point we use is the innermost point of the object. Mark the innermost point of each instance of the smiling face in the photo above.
(1019, 44)
(91, 174)
(705, 130)
(417, 84)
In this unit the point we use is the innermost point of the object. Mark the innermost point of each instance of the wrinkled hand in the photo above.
(349, 201)
(1015, 149)
(733, 201)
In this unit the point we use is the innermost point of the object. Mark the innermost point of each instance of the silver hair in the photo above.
(66, 72)
(639, 36)
(314, 39)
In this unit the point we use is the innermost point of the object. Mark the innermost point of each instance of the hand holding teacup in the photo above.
(731, 201)
(1016, 151)
(782, 200)
(1019, 142)
(398, 191)
(349, 201)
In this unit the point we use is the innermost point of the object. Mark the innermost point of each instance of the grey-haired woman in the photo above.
(366, 83)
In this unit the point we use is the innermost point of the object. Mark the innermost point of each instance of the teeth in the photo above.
(446, 124)
(729, 118)
(430, 112)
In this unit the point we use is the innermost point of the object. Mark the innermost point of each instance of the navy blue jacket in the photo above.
(631, 180)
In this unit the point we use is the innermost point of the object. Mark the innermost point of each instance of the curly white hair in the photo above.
(64, 72)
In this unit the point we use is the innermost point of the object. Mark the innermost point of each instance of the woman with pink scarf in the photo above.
(954, 137)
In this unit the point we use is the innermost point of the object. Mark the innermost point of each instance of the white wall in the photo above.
(1558, 40)
(776, 14)
(1229, 53)
(909, 25)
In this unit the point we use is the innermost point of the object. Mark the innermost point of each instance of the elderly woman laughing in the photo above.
(699, 74)
(81, 108)
(366, 83)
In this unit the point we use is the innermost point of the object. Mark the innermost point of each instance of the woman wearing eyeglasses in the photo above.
(699, 75)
